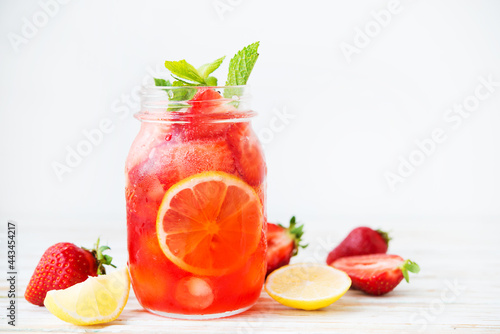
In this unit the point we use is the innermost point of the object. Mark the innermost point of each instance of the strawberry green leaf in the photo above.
(410, 266)
(296, 232)
(107, 260)
(101, 259)
(103, 248)
(207, 69)
(384, 236)
(183, 70)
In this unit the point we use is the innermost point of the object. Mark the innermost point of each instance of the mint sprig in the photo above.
(186, 75)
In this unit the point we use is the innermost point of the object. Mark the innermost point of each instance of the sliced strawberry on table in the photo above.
(248, 154)
(63, 265)
(282, 244)
(376, 274)
(360, 241)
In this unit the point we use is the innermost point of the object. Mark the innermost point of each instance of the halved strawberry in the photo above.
(248, 154)
(282, 244)
(376, 274)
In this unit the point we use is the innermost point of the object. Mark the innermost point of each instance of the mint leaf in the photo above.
(207, 69)
(179, 83)
(211, 81)
(162, 82)
(183, 70)
(181, 94)
(241, 65)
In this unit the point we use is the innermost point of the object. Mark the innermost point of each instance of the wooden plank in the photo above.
(458, 289)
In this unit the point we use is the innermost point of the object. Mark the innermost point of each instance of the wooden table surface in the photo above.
(457, 290)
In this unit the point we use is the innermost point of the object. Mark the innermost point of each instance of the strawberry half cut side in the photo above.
(376, 274)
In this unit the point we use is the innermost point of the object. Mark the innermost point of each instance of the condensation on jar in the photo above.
(196, 153)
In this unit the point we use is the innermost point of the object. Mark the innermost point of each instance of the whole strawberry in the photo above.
(63, 265)
(376, 274)
(282, 244)
(360, 241)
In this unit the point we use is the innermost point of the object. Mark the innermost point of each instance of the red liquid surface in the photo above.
(161, 156)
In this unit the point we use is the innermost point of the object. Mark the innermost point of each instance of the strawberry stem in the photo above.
(101, 259)
(384, 236)
(296, 232)
(409, 266)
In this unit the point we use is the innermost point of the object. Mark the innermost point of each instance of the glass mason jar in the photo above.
(196, 203)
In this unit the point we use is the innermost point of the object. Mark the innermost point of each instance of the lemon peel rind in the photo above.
(303, 303)
(52, 303)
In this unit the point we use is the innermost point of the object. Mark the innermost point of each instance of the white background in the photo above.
(352, 119)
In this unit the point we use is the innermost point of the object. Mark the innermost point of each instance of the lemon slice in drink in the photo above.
(96, 300)
(307, 286)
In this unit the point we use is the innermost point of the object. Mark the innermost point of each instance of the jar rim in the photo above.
(150, 86)
(167, 104)
(238, 92)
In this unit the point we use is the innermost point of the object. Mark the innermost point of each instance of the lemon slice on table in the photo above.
(307, 286)
(94, 301)
(210, 223)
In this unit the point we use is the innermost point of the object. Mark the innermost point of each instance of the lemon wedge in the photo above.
(97, 300)
(307, 286)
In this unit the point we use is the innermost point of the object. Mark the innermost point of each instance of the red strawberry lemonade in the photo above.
(195, 198)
